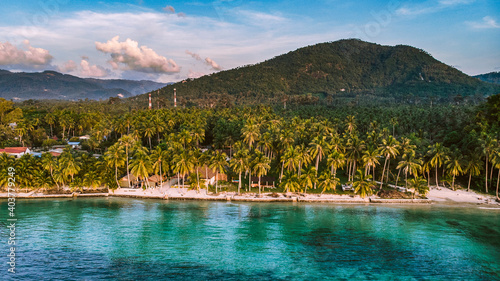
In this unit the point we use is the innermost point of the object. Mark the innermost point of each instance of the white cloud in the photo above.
(455, 2)
(88, 70)
(487, 22)
(68, 66)
(213, 64)
(194, 74)
(133, 57)
(169, 9)
(194, 55)
(31, 56)
(430, 7)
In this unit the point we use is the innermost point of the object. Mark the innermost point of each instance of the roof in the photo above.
(13, 150)
(55, 154)
(73, 143)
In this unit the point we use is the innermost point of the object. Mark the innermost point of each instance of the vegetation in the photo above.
(307, 148)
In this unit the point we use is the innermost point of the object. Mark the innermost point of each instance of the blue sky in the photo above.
(173, 40)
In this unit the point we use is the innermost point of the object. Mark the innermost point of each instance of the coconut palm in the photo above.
(410, 165)
(129, 143)
(496, 164)
(327, 181)
(239, 164)
(472, 167)
(304, 157)
(454, 166)
(183, 164)
(308, 178)
(251, 133)
(389, 149)
(92, 179)
(370, 159)
(218, 163)
(160, 162)
(115, 157)
(69, 162)
(437, 153)
(419, 185)
(336, 160)
(48, 163)
(362, 184)
(261, 165)
(290, 182)
(140, 165)
(488, 144)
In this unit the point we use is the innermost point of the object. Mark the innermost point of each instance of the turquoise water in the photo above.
(131, 239)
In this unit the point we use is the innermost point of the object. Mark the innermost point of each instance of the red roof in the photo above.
(55, 154)
(14, 150)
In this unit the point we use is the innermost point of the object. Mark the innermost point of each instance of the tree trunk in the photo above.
(116, 177)
(259, 184)
(486, 178)
(249, 182)
(437, 183)
(383, 172)
(397, 178)
(468, 186)
(198, 179)
(453, 183)
(498, 180)
(239, 183)
(128, 173)
(216, 181)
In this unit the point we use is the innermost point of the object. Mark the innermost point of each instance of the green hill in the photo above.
(55, 85)
(345, 68)
(492, 77)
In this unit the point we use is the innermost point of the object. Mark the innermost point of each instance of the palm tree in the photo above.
(350, 123)
(308, 178)
(394, 123)
(454, 166)
(473, 167)
(437, 153)
(496, 164)
(140, 165)
(418, 184)
(183, 164)
(410, 165)
(318, 149)
(291, 159)
(362, 184)
(218, 163)
(304, 157)
(92, 179)
(335, 160)
(115, 157)
(370, 158)
(128, 142)
(48, 163)
(290, 182)
(261, 164)
(488, 144)
(389, 150)
(250, 133)
(239, 164)
(327, 181)
(71, 165)
(159, 159)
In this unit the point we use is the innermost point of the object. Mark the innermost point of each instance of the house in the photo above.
(265, 181)
(85, 137)
(208, 175)
(74, 144)
(15, 151)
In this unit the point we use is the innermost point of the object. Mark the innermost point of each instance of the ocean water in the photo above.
(134, 239)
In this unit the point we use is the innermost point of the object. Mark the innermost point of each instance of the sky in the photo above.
(169, 41)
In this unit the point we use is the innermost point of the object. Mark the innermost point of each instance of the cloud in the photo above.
(194, 55)
(31, 56)
(213, 64)
(69, 66)
(133, 57)
(194, 74)
(181, 15)
(454, 2)
(428, 8)
(89, 70)
(169, 9)
(487, 22)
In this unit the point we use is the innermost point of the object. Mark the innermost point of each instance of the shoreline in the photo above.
(436, 195)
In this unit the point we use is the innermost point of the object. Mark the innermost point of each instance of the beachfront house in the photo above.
(15, 151)
(208, 175)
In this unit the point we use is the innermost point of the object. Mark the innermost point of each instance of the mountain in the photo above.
(492, 77)
(55, 85)
(345, 68)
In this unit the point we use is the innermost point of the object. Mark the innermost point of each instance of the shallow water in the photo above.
(132, 239)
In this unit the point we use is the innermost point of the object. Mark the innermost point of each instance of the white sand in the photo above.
(443, 194)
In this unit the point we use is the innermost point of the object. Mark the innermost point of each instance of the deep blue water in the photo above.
(132, 239)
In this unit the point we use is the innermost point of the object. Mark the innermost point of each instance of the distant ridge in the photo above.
(55, 85)
(343, 68)
(492, 77)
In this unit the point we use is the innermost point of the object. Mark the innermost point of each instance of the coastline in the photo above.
(436, 195)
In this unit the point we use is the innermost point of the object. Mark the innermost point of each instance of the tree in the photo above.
(159, 159)
(472, 167)
(370, 158)
(115, 157)
(290, 182)
(488, 144)
(389, 150)
(128, 142)
(261, 164)
(410, 165)
(70, 165)
(250, 133)
(239, 164)
(362, 185)
(419, 185)
(308, 178)
(454, 166)
(218, 163)
(48, 163)
(328, 182)
(394, 123)
(140, 165)
(437, 153)
(183, 164)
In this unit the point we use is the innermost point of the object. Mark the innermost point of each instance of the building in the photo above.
(16, 151)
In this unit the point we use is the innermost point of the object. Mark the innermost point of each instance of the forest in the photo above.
(305, 147)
